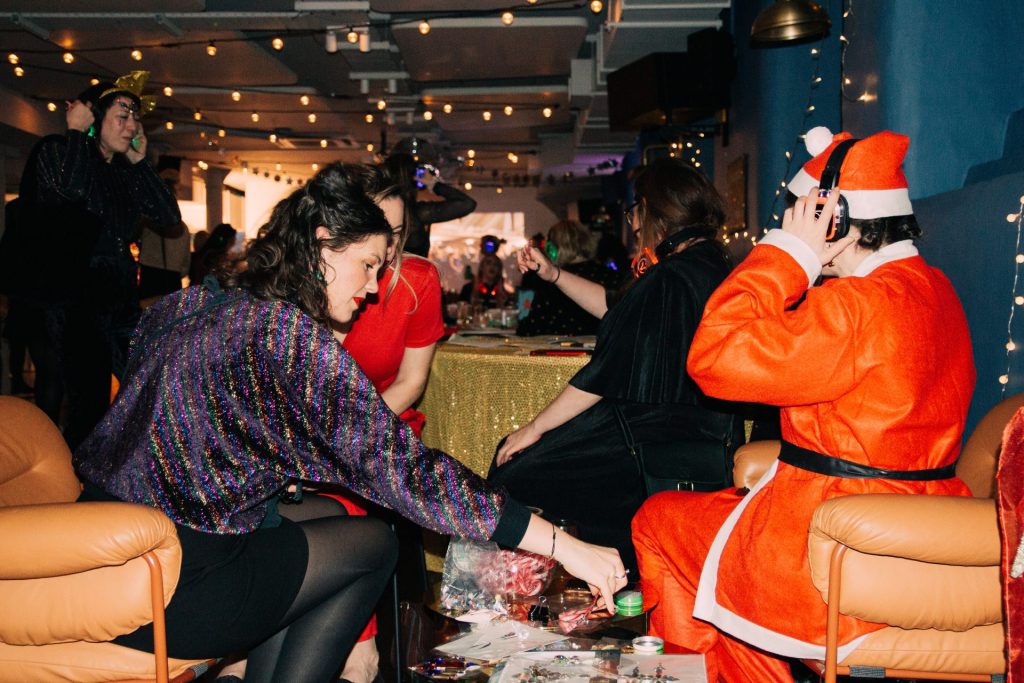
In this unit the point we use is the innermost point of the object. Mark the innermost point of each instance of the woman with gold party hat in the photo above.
(83, 194)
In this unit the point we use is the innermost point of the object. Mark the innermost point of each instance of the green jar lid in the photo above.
(629, 600)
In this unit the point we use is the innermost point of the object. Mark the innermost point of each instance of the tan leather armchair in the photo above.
(926, 566)
(75, 575)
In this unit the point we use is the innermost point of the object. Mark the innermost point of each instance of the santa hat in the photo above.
(871, 177)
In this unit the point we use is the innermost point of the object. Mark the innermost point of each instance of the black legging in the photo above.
(350, 561)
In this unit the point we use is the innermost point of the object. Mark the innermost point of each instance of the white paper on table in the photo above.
(681, 668)
(498, 640)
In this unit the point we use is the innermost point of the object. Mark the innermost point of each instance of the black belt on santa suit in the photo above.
(813, 461)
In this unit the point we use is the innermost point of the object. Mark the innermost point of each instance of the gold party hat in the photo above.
(133, 83)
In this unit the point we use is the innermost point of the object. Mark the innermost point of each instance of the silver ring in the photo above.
(620, 576)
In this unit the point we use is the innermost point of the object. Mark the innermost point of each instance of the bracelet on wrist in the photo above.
(557, 275)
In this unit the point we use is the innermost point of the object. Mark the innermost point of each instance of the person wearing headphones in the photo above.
(869, 404)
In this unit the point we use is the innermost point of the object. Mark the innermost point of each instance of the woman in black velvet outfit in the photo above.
(572, 459)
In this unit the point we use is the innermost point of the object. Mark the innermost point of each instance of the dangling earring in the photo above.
(320, 277)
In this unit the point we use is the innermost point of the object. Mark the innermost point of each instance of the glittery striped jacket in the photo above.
(227, 397)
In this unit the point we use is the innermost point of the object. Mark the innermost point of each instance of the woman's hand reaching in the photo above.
(518, 440)
(533, 260)
(600, 567)
(800, 221)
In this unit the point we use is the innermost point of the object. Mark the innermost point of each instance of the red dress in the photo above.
(409, 318)
(876, 369)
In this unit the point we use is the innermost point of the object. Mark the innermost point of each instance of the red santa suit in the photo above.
(874, 368)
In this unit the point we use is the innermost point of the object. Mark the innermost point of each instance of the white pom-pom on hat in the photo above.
(817, 140)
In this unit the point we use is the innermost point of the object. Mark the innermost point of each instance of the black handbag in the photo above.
(685, 465)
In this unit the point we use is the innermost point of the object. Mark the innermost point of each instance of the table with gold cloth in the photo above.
(475, 395)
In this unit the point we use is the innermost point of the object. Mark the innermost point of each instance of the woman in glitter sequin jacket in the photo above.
(230, 394)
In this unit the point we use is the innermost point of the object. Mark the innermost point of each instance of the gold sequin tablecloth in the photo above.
(477, 395)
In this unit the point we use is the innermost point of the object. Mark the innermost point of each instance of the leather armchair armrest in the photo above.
(949, 530)
(65, 538)
(752, 460)
(75, 571)
(904, 550)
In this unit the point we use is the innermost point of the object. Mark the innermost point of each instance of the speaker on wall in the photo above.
(673, 88)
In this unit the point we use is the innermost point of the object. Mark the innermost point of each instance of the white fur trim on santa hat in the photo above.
(863, 203)
(817, 140)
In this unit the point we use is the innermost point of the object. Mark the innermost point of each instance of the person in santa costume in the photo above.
(873, 372)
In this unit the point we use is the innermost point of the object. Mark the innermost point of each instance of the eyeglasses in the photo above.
(628, 212)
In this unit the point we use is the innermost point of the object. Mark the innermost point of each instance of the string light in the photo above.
(352, 37)
(277, 43)
(368, 118)
(486, 115)
(68, 58)
(255, 117)
(277, 167)
(136, 55)
(235, 95)
(471, 153)
(468, 185)
(447, 108)
(211, 50)
(304, 100)
(1018, 300)
(315, 167)
(323, 143)
(169, 125)
(197, 115)
(428, 115)
(94, 81)
(19, 72)
(382, 104)
(312, 118)
(596, 6)
(546, 111)
(52, 106)
(13, 58)
(513, 157)
(221, 132)
(507, 18)
(202, 164)
(424, 27)
(369, 147)
(272, 137)
(168, 91)
(499, 189)
(508, 110)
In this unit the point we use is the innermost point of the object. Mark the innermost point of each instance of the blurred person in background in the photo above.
(85, 193)
(487, 288)
(570, 246)
(410, 177)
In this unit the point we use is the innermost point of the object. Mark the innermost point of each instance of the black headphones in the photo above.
(840, 227)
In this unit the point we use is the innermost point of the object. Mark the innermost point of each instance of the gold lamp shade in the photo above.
(789, 21)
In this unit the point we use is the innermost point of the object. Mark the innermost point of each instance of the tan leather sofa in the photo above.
(927, 566)
(75, 575)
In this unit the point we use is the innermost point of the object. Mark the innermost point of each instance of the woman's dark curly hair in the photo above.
(286, 263)
(673, 195)
(875, 233)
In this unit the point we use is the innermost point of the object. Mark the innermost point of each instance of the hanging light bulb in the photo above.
(221, 132)
(546, 111)
(304, 100)
(255, 117)
(382, 104)
(369, 147)
(471, 153)
(424, 27)
(368, 118)
(312, 118)
(277, 167)
(52, 106)
(468, 186)
(323, 143)
(596, 6)
(68, 58)
(471, 162)
(272, 137)
(94, 81)
(203, 165)
(507, 18)
(513, 157)
(19, 72)
(352, 37)
(447, 108)
(428, 115)
(277, 43)
(197, 115)
(136, 54)
(498, 190)
(202, 135)
(508, 110)
(169, 125)
(315, 167)
(211, 50)
(235, 95)
(168, 91)
(486, 115)
(13, 58)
